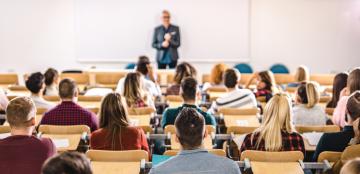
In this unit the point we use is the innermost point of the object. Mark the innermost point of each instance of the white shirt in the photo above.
(52, 90)
(148, 86)
(41, 103)
(309, 116)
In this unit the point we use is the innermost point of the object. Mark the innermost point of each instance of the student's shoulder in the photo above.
(166, 166)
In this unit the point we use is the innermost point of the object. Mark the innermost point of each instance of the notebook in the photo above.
(242, 123)
(313, 137)
(61, 143)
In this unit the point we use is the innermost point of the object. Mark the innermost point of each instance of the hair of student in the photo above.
(113, 116)
(340, 82)
(35, 82)
(183, 70)
(166, 12)
(190, 128)
(231, 78)
(189, 88)
(353, 80)
(20, 111)
(353, 105)
(302, 74)
(132, 88)
(268, 78)
(309, 94)
(67, 89)
(142, 64)
(50, 75)
(276, 119)
(351, 167)
(217, 73)
(67, 163)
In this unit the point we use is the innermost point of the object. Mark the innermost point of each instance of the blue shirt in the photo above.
(196, 161)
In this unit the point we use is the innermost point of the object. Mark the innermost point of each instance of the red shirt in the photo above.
(24, 154)
(70, 113)
(131, 138)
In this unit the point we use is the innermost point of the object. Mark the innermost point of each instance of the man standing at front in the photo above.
(166, 41)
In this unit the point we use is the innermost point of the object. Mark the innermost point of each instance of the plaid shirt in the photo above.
(70, 113)
(263, 92)
(290, 142)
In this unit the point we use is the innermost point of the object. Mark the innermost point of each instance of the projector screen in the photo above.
(121, 30)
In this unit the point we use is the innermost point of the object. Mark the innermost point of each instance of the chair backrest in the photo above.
(79, 78)
(235, 111)
(4, 129)
(74, 129)
(284, 78)
(240, 129)
(327, 128)
(263, 156)
(9, 79)
(205, 78)
(329, 156)
(117, 156)
(109, 78)
(17, 88)
(218, 152)
(53, 98)
(141, 111)
(244, 68)
(82, 98)
(41, 111)
(174, 98)
(172, 130)
(323, 79)
(130, 66)
(216, 89)
(279, 69)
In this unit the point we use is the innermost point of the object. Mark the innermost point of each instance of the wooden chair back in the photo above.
(172, 130)
(4, 129)
(79, 78)
(218, 152)
(9, 79)
(240, 130)
(282, 79)
(117, 156)
(74, 129)
(263, 156)
(323, 79)
(83, 98)
(52, 98)
(329, 156)
(108, 78)
(327, 128)
(145, 111)
(205, 78)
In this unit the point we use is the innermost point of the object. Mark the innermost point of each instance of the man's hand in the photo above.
(167, 37)
(165, 44)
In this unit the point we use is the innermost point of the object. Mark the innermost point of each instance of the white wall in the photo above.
(323, 34)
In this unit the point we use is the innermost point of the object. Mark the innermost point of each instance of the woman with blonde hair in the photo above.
(276, 132)
(307, 110)
(216, 77)
(182, 71)
(134, 94)
(265, 84)
(115, 131)
(301, 75)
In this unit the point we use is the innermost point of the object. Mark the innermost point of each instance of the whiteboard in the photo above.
(121, 30)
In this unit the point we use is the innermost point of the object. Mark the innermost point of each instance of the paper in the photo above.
(242, 123)
(134, 122)
(61, 143)
(313, 137)
(4, 135)
(239, 139)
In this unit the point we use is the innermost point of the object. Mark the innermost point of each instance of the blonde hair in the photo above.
(132, 89)
(309, 94)
(302, 74)
(277, 119)
(217, 73)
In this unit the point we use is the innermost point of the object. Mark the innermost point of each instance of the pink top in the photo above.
(339, 114)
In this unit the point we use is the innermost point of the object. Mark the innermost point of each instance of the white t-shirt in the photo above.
(41, 103)
(309, 116)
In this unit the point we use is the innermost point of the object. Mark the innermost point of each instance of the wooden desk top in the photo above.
(115, 167)
(176, 146)
(140, 120)
(241, 120)
(278, 168)
(74, 140)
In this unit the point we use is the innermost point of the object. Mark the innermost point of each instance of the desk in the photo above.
(140, 120)
(252, 120)
(176, 146)
(307, 145)
(74, 140)
(100, 167)
(278, 168)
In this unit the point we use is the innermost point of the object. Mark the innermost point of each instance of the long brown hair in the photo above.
(132, 89)
(184, 70)
(340, 82)
(268, 78)
(113, 117)
(353, 80)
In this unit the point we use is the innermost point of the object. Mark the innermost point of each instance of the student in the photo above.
(276, 132)
(193, 158)
(115, 131)
(148, 80)
(182, 70)
(3, 100)
(189, 92)
(302, 75)
(67, 163)
(52, 79)
(351, 167)
(235, 97)
(68, 112)
(22, 152)
(216, 77)
(340, 140)
(35, 84)
(266, 85)
(340, 82)
(353, 84)
(134, 94)
(307, 111)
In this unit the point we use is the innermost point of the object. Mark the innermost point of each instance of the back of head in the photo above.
(67, 163)
(231, 78)
(353, 80)
(268, 78)
(340, 82)
(302, 74)
(51, 75)
(184, 70)
(20, 111)
(351, 167)
(189, 88)
(190, 128)
(132, 87)
(35, 82)
(67, 89)
(308, 93)
(142, 65)
(217, 73)
(353, 105)
(276, 118)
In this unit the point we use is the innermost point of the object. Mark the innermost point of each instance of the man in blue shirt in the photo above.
(193, 158)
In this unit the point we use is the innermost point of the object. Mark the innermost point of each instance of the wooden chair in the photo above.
(142, 117)
(283, 79)
(239, 130)
(9, 79)
(263, 156)
(117, 156)
(327, 128)
(323, 79)
(329, 156)
(17, 88)
(4, 129)
(79, 78)
(60, 130)
(205, 78)
(108, 79)
(52, 98)
(83, 98)
(234, 111)
(174, 100)
(218, 152)
(172, 130)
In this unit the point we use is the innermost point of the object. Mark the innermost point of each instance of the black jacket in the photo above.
(158, 39)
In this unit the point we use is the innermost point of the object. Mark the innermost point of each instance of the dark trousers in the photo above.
(172, 65)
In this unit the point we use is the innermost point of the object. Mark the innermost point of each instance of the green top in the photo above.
(170, 115)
